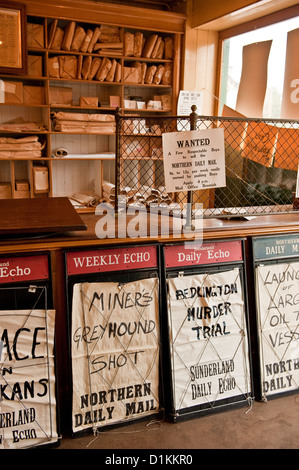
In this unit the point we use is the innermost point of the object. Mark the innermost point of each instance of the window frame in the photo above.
(228, 33)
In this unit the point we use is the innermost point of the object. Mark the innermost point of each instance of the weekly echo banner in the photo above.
(115, 352)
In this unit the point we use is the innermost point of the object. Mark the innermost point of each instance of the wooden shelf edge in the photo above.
(119, 15)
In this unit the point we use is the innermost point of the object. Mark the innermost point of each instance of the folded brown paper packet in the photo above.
(35, 35)
(35, 65)
(11, 147)
(68, 36)
(68, 66)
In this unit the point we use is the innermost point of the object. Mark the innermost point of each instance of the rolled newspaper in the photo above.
(60, 152)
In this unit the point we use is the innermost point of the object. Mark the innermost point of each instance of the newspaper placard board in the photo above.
(208, 336)
(277, 285)
(114, 335)
(28, 410)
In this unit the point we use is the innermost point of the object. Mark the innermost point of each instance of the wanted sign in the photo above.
(194, 160)
(115, 352)
(27, 379)
(277, 289)
(208, 335)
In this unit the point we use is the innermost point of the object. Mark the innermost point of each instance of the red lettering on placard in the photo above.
(112, 259)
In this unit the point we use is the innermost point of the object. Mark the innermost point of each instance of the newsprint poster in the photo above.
(278, 326)
(209, 348)
(115, 352)
(27, 379)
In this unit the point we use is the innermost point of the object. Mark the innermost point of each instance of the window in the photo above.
(273, 40)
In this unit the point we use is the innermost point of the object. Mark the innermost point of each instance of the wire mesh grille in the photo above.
(261, 159)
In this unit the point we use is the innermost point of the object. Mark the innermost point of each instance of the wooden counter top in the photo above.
(211, 229)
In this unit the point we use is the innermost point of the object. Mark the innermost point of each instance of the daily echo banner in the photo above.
(115, 343)
(27, 379)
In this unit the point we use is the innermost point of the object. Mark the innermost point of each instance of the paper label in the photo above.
(194, 160)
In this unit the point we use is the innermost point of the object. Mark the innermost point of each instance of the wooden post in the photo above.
(117, 156)
(193, 120)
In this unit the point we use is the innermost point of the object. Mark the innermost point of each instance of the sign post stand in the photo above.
(189, 215)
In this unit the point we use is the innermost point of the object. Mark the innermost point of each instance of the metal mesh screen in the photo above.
(261, 158)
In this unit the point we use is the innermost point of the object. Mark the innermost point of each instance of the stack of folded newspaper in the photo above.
(83, 123)
(21, 147)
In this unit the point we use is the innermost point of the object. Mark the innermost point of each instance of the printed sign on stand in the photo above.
(186, 100)
(209, 350)
(194, 160)
(277, 299)
(115, 338)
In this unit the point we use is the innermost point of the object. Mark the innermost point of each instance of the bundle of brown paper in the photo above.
(24, 147)
(19, 124)
(74, 37)
(83, 123)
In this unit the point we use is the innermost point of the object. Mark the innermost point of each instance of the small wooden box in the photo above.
(5, 191)
(22, 185)
(114, 101)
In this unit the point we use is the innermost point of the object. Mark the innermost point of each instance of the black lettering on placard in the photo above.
(226, 382)
(114, 361)
(206, 291)
(26, 390)
(193, 142)
(11, 347)
(89, 334)
(130, 395)
(17, 418)
(122, 300)
(209, 312)
(200, 371)
(203, 332)
(278, 278)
